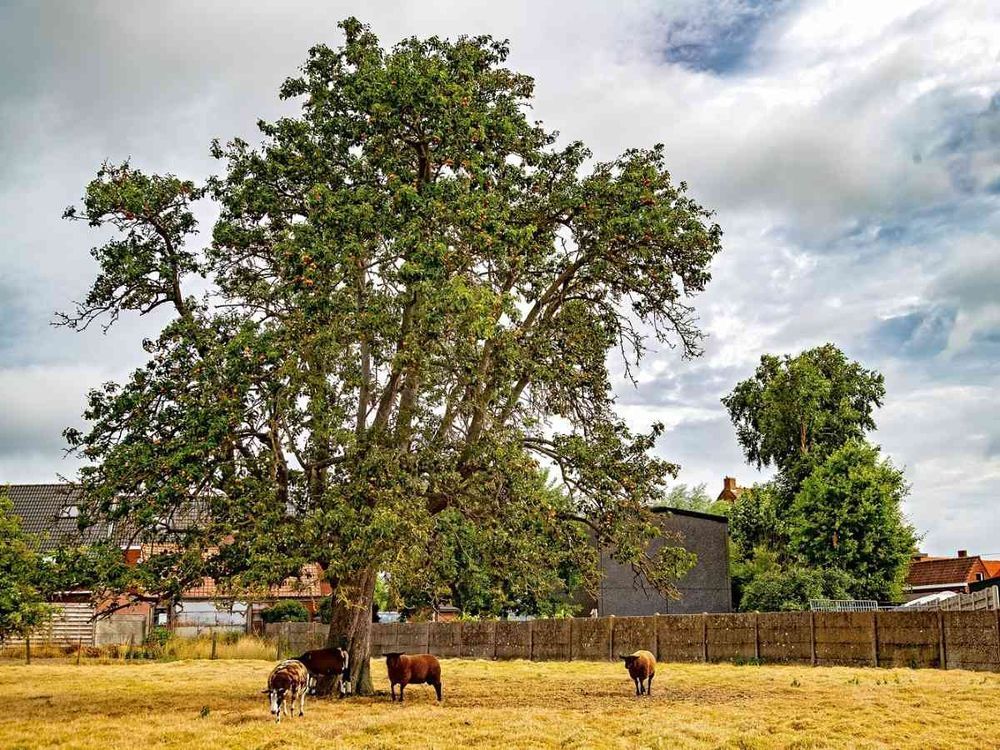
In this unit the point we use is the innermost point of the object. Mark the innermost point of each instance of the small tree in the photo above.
(767, 585)
(848, 517)
(22, 601)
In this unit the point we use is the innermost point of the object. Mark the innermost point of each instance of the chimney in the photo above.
(963, 553)
(729, 483)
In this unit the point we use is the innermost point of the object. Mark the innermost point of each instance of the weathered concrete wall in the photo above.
(591, 638)
(972, 640)
(907, 639)
(731, 637)
(705, 588)
(845, 638)
(785, 636)
(968, 640)
(550, 640)
(630, 634)
(120, 629)
(681, 637)
(513, 640)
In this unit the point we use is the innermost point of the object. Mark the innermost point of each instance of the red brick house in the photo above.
(50, 512)
(931, 575)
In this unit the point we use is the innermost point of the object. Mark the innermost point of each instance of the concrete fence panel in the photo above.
(846, 638)
(445, 639)
(909, 639)
(731, 636)
(384, 638)
(478, 640)
(412, 637)
(513, 640)
(784, 636)
(680, 637)
(551, 640)
(630, 634)
(972, 640)
(591, 638)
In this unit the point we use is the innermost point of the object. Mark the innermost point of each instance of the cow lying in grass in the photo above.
(287, 681)
(412, 669)
(641, 667)
(328, 663)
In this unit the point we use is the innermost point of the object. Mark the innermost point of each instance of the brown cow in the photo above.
(641, 666)
(328, 663)
(412, 669)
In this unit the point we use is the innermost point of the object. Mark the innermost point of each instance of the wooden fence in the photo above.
(949, 640)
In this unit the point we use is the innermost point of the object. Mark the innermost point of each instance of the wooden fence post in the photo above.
(531, 640)
(27, 650)
(79, 649)
(812, 638)
(214, 640)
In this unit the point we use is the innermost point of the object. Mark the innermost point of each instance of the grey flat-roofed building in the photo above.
(705, 588)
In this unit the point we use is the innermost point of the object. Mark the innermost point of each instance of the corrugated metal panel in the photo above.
(72, 624)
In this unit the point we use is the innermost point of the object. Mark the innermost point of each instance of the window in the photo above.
(980, 576)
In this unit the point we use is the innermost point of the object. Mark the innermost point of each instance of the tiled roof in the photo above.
(49, 512)
(308, 585)
(944, 571)
(992, 568)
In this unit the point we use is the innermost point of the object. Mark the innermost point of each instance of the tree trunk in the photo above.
(351, 628)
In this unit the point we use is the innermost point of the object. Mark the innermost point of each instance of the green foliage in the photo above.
(795, 411)
(848, 517)
(693, 498)
(409, 283)
(22, 600)
(830, 524)
(286, 611)
(158, 637)
(770, 586)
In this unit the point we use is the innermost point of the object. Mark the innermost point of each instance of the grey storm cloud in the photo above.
(849, 150)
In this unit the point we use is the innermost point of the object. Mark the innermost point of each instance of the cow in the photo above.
(328, 663)
(288, 680)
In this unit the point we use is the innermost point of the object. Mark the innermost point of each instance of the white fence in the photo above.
(976, 601)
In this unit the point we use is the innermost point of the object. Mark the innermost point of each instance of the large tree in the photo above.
(412, 292)
(795, 411)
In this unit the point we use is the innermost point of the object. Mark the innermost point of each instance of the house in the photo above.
(930, 575)
(51, 513)
(705, 588)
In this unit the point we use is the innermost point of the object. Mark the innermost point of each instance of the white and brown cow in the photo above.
(287, 681)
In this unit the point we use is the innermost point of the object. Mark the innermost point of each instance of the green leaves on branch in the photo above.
(409, 283)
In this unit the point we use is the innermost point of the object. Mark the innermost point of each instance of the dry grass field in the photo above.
(217, 704)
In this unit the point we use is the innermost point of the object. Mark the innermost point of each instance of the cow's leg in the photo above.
(392, 691)
(302, 702)
(638, 686)
(649, 685)
(401, 686)
(437, 689)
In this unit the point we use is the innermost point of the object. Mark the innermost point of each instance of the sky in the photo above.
(850, 149)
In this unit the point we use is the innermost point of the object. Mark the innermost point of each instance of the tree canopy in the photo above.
(22, 594)
(830, 524)
(795, 411)
(412, 292)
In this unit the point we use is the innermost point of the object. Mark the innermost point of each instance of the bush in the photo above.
(325, 610)
(158, 637)
(290, 611)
